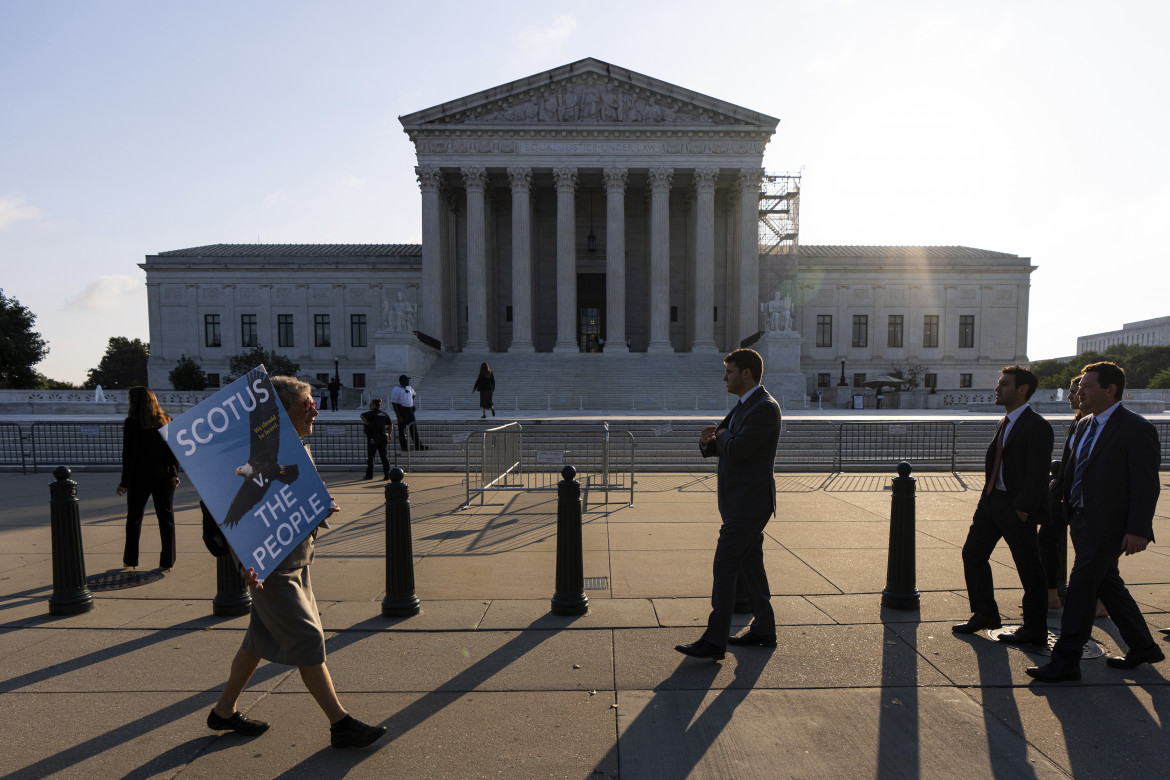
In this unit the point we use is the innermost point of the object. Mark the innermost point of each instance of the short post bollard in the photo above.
(70, 594)
(400, 600)
(570, 598)
(231, 595)
(901, 591)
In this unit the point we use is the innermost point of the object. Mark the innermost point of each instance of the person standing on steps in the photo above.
(485, 385)
(402, 399)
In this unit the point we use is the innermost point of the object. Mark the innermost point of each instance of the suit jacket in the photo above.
(747, 457)
(1120, 484)
(1027, 456)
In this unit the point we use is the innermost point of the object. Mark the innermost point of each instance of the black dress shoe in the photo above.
(368, 476)
(701, 649)
(1025, 636)
(1164, 630)
(976, 622)
(237, 723)
(752, 638)
(1135, 658)
(1054, 672)
(349, 732)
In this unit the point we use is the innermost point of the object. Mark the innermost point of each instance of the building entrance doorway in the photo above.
(590, 312)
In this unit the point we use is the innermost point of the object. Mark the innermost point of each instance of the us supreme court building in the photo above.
(584, 209)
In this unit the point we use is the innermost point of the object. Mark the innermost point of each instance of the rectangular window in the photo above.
(359, 380)
(248, 337)
(824, 330)
(284, 330)
(357, 330)
(823, 380)
(674, 314)
(930, 331)
(964, 380)
(321, 330)
(211, 380)
(861, 330)
(322, 378)
(715, 315)
(211, 330)
(894, 331)
(859, 380)
(508, 313)
(967, 330)
(930, 381)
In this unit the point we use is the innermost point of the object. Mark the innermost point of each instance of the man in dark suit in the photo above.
(1111, 497)
(1014, 501)
(745, 443)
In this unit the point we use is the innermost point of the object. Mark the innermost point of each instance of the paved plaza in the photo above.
(486, 682)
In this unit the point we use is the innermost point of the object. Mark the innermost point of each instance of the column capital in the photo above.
(566, 179)
(705, 179)
(660, 179)
(475, 179)
(520, 179)
(429, 178)
(615, 179)
(749, 178)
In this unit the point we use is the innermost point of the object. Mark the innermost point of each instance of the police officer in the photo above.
(378, 425)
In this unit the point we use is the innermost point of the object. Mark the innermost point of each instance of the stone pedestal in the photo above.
(782, 375)
(396, 354)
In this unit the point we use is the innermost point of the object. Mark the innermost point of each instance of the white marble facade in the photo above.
(1145, 333)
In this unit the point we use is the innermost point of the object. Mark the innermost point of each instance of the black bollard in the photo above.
(70, 594)
(901, 592)
(231, 596)
(400, 600)
(570, 598)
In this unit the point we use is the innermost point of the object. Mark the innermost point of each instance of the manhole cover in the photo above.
(1092, 649)
(596, 583)
(121, 579)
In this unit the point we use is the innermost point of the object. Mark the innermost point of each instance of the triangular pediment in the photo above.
(588, 92)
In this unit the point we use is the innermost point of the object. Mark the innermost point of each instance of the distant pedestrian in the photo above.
(485, 385)
(377, 427)
(149, 470)
(402, 399)
(334, 390)
(880, 396)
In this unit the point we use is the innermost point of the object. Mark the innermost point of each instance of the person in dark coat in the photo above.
(485, 385)
(377, 427)
(149, 471)
(334, 389)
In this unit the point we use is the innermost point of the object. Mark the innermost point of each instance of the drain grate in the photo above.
(121, 579)
(597, 583)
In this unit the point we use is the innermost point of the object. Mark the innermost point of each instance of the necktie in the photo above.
(1075, 495)
(993, 475)
(734, 413)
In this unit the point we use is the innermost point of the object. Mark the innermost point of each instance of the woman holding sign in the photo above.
(285, 627)
(149, 470)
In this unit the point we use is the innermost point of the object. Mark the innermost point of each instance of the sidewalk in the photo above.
(486, 682)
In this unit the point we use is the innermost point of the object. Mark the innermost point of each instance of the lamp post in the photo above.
(842, 382)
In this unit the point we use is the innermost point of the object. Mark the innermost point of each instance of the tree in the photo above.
(911, 372)
(1160, 380)
(48, 383)
(21, 347)
(123, 366)
(276, 365)
(187, 375)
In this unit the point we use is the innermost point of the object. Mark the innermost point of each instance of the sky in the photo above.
(132, 127)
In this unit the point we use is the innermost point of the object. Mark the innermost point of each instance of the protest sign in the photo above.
(242, 454)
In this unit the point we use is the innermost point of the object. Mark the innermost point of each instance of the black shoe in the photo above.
(386, 475)
(421, 447)
(368, 476)
(1164, 630)
(1054, 672)
(976, 622)
(237, 723)
(1025, 636)
(701, 649)
(751, 638)
(493, 412)
(1135, 658)
(349, 732)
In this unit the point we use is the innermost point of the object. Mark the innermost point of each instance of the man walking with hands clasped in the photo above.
(745, 443)
(1014, 501)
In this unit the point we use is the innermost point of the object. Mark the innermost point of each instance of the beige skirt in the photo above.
(286, 627)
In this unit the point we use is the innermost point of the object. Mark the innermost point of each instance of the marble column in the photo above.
(521, 181)
(475, 179)
(566, 181)
(615, 261)
(430, 318)
(660, 180)
(704, 324)
(749, 251)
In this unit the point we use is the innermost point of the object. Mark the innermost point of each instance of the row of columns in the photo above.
(743, 267)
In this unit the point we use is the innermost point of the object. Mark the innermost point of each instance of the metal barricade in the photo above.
(972, 438)
(1163, 429)
(12, 446)
(511, 457)
(344, 444)
(76, 443)
(886, 444)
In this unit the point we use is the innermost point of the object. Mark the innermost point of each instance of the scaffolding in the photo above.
(779, 214)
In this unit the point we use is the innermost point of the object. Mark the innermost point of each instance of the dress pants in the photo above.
(377, 444)
(163, 493)
(405, 420)
(994, 520)
(739, 556)
(1094, 576)
(1053, 541)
